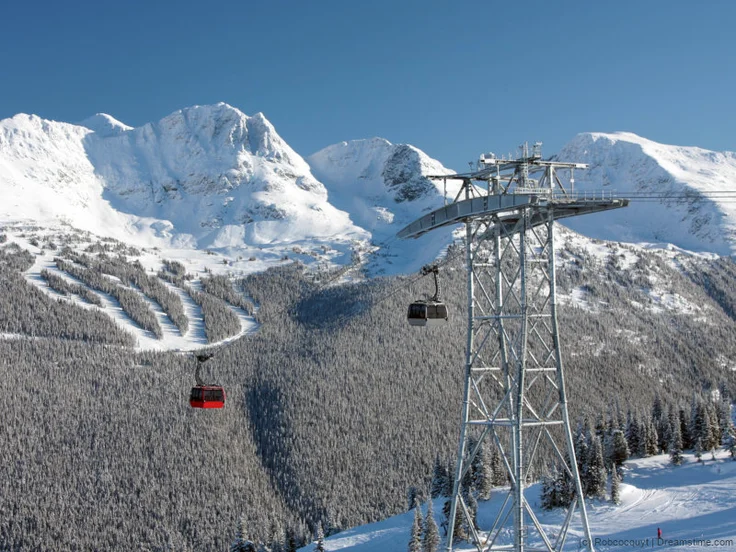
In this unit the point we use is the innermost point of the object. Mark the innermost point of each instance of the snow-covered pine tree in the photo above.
(472, 442)
(731, 441)
(459, 532)
(411, 497)
(582, 446)
(617, 449)
(450, 481)
(714, 427)
(483, 474)
(699, 449)
(698, 422)
(439, 478)
(415, 537)
(594, 480)
(687, 440)
(657, 408)
(664, 433)
(652, 439)
(600, 425)
(615, 486)
(633, 433)
(431, 534)
(241, 542)
(548, 495)
(290, 541)
(320, 537)
(500, 477)
(472, 505)
(446, 507)
(675, 446)
(557, 488)
(724, 419)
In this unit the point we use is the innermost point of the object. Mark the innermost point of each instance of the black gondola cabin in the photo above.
(427, 313)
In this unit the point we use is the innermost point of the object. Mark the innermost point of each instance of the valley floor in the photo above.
(693, 504)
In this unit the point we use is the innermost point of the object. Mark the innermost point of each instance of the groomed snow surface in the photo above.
(691, 503)
(173, 339)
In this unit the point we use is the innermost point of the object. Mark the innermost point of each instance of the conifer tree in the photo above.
(415, 538)
(652, 440)
(698, 423)
(290, 541)
(617, 449)
(699, 449)
(450, 481)
(615, 486)
(687, 441)
(439, 478)
(633, 434)
(482, 474)
(241, 542)
(594, 481)
(472, 505)
(724, 419)
(731, 441)
(714, 427)
(557, 488)
(459, 532)
(431, 536)
(500, 477)
(411, 497)
(657, 409)
(675, 446)
(320, 534)
(548, 495)
(472, 442)
(664, 433)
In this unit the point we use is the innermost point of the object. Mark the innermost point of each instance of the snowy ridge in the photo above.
(624, 163)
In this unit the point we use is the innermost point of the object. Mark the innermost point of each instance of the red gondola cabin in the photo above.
(207, 396)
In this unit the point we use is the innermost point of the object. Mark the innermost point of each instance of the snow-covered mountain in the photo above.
(624, 163)
(206, 176)
(384, 187)
(213, 177)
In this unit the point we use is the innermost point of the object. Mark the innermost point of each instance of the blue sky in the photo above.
(453, 78)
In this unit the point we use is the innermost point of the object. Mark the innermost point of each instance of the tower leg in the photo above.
(514, 395)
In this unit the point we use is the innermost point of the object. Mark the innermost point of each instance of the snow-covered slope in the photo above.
(384, 186)
(692, 504)
(624, 163)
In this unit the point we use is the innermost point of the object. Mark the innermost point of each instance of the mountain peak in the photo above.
(105, 125)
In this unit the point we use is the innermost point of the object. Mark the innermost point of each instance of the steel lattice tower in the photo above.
(514, 398)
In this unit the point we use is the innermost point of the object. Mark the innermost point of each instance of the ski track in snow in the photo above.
(172, 339)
